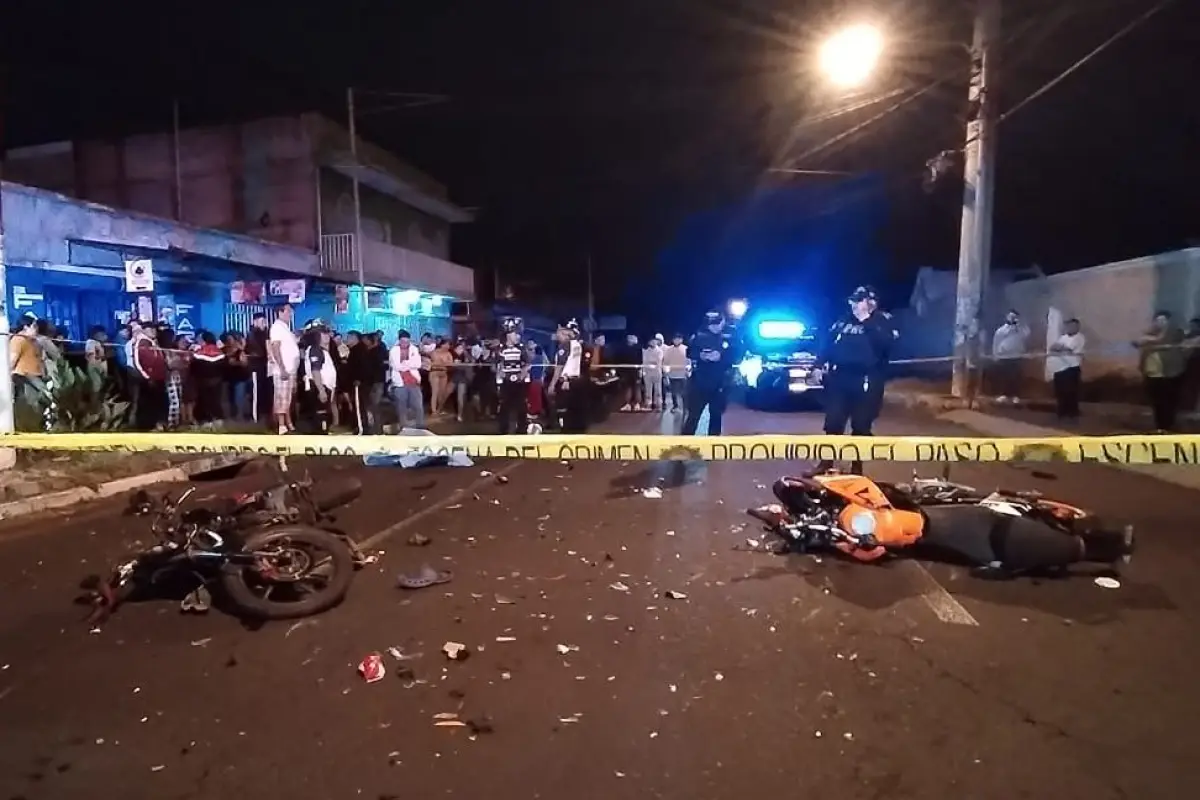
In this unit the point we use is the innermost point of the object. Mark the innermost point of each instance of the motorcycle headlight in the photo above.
(750, 368)
(863, 524)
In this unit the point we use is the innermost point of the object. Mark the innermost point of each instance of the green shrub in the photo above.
(83, 400)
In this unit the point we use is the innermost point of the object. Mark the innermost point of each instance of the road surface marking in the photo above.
(376, 539)
(940, 602)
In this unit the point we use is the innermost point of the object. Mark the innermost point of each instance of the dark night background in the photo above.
(642, 132)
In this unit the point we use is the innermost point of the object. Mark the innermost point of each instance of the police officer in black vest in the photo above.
(512, 380)
(712, 355)
(854, 362)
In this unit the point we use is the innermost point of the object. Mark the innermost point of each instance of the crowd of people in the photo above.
(287, 376)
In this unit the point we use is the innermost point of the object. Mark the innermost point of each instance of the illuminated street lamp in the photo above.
(737, 309)
(849, 57)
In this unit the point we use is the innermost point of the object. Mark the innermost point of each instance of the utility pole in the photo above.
(178, 160)
(591, 300)
(979, 156)
(8, 456)
(358, 230)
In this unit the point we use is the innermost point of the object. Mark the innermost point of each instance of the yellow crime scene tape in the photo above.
(1183, 449)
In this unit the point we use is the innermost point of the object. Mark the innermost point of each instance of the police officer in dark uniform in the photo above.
(312, 401)
(512, 380)
(854, 362)
(567, 387)
(712, 355)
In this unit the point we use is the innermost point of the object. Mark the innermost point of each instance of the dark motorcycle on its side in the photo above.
(270, 555)
(1001, 533)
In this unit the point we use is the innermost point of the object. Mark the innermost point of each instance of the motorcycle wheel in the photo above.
(236, 580)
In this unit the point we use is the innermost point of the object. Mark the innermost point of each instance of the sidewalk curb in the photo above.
(1183, 476)
(87, 494)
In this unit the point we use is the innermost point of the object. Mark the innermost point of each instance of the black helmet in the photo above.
(863, 293)
(317, 324)
(714, 316)
(511, 324)
(570, 325)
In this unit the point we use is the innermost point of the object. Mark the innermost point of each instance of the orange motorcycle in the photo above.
(1000, 533)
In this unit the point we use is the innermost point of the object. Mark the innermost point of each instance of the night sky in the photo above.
(615, 128)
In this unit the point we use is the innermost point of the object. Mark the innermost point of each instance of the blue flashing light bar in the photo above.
(781, 329)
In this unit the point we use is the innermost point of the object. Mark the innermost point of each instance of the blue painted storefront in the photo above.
(191, 293)
(76, 297)
(66, 262)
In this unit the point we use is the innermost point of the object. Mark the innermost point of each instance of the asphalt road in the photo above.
(774, 676)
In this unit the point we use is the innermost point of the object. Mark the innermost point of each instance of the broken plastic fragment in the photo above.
(671, 594)
(372, 668)
(653, 493)
(455, 651)
(564, 649)
(618, 587)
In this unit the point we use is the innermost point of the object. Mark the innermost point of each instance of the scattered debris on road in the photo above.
(423, 578)
(418, 540)
(456, 651)
(372, 668)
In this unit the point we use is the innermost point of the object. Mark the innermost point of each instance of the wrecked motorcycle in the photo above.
(270, 554)
(1001, 533)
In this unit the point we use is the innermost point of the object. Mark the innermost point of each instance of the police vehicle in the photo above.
(779, 362)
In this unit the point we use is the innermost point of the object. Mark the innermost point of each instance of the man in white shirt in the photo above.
(404, 370)
(675, 365)
(1010, 343)
(283, 361)
(1064, 366)
(652, 375)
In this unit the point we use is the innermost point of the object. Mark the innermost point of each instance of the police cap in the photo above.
(863, 293)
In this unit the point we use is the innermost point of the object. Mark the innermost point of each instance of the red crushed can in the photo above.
(371, 668)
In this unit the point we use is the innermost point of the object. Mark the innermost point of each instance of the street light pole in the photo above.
(8, 456)
(979, 155)
(358, 231)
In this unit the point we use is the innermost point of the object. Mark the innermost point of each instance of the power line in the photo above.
(1129, 28)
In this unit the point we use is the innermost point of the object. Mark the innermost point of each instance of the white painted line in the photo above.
(940, 602)
(376, 539)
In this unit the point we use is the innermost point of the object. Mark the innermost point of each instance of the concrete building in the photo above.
(71, 261)
(927, 322)
(283, 181)
(1114, 304)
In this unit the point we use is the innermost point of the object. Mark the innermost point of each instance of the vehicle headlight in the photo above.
(750, 368)
(863, 524)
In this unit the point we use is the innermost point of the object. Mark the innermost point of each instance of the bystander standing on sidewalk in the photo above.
(652, 375)
(404, 360)
(1064, 367)
(284, 355)
(262, 400)
(1162, 363)
(1189, 395)
(675, 365)
(1010, 344)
